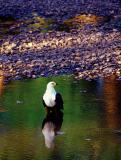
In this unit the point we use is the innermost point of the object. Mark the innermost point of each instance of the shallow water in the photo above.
(91, 120)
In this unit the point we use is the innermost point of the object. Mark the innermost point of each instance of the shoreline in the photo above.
(76, 78)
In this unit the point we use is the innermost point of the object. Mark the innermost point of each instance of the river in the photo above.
(91, 120)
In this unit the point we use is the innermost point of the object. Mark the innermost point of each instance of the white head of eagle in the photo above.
(51, 98)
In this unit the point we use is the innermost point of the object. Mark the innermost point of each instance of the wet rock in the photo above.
(119, 62)
(119, 78)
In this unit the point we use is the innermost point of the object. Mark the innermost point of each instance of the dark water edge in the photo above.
(91, 120)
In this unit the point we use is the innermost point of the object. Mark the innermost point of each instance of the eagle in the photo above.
(52, 99)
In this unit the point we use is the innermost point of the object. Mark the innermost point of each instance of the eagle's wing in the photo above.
(59, 101)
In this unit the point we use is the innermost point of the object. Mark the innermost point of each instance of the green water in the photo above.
(91, 122)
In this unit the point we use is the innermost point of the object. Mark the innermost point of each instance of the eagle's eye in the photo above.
(53, 83)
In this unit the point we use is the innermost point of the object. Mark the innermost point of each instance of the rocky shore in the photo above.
(89, 52)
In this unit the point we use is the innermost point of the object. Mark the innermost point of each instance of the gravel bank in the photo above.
(89, 52)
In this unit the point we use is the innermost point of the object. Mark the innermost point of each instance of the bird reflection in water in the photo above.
(51, 126)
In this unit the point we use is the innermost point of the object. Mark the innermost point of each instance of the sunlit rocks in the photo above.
(1, 81)
(86, 19)
(1, 74)
(119, 62)
(39, 23)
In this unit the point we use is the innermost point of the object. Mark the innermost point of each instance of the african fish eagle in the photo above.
(52, 99)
